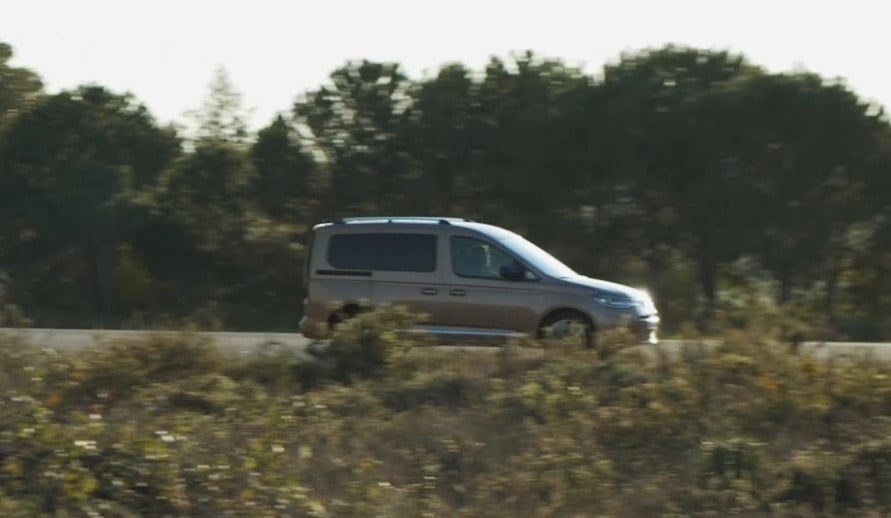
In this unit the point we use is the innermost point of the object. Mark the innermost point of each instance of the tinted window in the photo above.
(383, 252)
(537, 257)
(475, 258)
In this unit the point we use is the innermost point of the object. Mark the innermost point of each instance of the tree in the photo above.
(356, 123)
(19, 90)
(210, 192)
(19, 87)
(865, 297)
(443, 139)
(670, 158)
(286, 173)
(532, 118)
(808, 150)
(71, 167)
(228, 252)
(221, 118)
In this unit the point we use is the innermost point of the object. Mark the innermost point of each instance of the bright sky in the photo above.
(165, 51)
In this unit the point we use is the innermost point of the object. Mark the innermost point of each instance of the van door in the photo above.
(482, 294)
(403, 263)
(411, 275)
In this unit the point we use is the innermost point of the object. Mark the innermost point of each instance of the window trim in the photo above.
(501, 249)
(307, 256)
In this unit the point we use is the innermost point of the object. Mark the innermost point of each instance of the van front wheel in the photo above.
(566, 324)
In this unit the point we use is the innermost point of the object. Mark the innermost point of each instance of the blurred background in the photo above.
(716, 181)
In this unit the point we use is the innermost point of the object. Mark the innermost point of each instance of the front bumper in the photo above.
(646, 328)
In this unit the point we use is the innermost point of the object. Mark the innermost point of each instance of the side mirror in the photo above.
(512, 273)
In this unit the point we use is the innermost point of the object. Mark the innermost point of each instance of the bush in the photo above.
(165, 426)
(366, 346)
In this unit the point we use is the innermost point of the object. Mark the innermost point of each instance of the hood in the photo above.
(598, 284)
(645, 302)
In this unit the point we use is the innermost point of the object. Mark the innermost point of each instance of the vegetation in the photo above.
(693, 172)
(751, 204)
(379, 426)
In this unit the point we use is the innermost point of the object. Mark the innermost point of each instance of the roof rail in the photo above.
(402, 219)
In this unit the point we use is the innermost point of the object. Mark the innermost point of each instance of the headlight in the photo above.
(614, 300)
(647, 300)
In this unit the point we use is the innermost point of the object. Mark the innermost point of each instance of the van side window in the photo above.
(388, 252)
(476, 258)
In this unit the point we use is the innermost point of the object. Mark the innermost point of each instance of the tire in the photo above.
(560, 325)
(345, 313)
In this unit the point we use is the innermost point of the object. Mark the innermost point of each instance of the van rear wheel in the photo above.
(342, 315)
(568, 324)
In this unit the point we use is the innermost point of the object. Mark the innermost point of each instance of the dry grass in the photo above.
(165, 427)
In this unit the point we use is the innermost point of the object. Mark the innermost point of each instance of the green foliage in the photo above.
(19, 87)
(71, 167)
(166, 426)
(695, 173)
(13, 316)
(287, 176)
(367, 345)
(221, 119)
(356, 121)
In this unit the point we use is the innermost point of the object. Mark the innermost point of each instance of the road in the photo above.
(70, 340)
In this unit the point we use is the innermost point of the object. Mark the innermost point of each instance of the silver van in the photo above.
(468, 278)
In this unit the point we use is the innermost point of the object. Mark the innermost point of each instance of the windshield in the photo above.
(535, 256)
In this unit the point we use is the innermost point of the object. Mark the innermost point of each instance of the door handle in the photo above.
(457, 293)
(429, 291)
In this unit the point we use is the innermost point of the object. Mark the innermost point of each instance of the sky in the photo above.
(165, 51)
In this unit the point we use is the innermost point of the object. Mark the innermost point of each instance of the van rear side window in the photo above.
(387, 252)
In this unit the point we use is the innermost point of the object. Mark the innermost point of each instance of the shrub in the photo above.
(165, 426)
(366, 345)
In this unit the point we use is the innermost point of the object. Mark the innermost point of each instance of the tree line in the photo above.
(698, 174)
